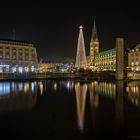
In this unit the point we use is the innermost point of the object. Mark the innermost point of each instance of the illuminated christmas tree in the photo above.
(81, 61)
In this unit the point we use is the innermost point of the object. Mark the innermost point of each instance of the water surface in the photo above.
(68, 109)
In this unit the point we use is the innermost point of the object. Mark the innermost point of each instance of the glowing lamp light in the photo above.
(32, 68)
(81, 27)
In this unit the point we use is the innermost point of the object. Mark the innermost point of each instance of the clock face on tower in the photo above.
(96, 48)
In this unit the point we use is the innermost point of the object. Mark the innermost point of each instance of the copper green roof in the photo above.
(106, 53)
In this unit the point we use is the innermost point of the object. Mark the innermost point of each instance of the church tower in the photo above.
(94, 44)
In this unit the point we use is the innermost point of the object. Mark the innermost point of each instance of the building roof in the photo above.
(135, 46)
(16, 42)
(103, 53)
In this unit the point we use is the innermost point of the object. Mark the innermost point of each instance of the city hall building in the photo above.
(125, 62)
(104, 60)
(17, 56)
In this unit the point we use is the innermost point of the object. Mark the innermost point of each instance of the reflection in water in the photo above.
(69, 85)
(96, 89)
(20, 86)
(106, 89)
(119, 100)
(112, 90)
(94, 101)
(4, 88)
(41, 87)
(26, 87)
(94, 97)
(133, 92)
(17, 95)
(107, 102)
(33, 85)
(55, 86)
(81, 92)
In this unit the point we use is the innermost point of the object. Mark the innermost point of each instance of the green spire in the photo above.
(94, 32)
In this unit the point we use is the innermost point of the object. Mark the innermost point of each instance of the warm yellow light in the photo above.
(81, 27)
(55, 86)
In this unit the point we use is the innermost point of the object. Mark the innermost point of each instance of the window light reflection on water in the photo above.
(106, 89)
(16, 87)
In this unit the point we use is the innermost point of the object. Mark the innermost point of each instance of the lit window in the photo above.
(32, 68)
(137, 63)
(132, 63)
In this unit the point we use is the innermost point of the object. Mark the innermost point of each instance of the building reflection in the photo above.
(96, 89)
(81, 93)
(4, 88)
(118, 93)
(69, 85)
(106, 89)
(94, 97)
(112, 90)
(133, 92)
(41, 87)
(17, 95)
(94, 101)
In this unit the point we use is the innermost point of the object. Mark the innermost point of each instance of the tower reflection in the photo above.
(133, 92)
(119, 101)
(94, 97)
(94, 101)
(81, 92)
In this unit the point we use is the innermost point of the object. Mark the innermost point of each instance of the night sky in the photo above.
(53, 28)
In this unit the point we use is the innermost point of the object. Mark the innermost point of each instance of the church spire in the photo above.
(94, 32)
(94, 44)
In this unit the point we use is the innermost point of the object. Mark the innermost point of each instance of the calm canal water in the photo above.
(64, 109)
